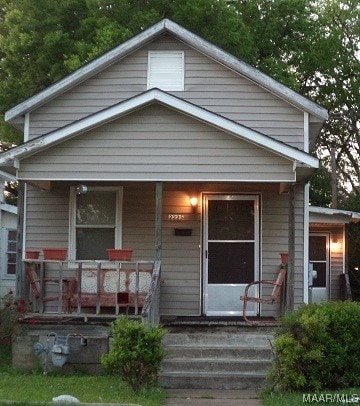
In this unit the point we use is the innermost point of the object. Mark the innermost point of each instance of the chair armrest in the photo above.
(256, 283)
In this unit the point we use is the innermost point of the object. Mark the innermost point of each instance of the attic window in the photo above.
(166, 70)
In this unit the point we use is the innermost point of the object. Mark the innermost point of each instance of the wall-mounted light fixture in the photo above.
(335, 244)
(194, 203)
(81, 189)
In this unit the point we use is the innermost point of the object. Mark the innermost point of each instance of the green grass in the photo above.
(37, 387)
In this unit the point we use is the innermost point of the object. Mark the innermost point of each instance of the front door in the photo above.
(231, 252)
(319, 254)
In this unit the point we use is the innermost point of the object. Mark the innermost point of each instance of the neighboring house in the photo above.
(327, 251)
(162, 118)
(8, 234)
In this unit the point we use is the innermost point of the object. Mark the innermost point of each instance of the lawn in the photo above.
(37, 387)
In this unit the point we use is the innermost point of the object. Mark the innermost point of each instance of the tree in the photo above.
(310, 45)
(335, 84)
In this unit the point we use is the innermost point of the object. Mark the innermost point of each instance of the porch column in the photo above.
(158, 220)
(291, 249)
(20, 270)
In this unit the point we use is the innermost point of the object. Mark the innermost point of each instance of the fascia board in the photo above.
(156, 95)
(9, 208)
(184, 35)
(329, 215)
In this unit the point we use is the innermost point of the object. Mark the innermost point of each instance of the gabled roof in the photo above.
(157, 96)
(166, 26)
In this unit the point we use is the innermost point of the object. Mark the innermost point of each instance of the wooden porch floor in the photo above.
(171, 321)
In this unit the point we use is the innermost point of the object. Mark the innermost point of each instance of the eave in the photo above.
(300, 158)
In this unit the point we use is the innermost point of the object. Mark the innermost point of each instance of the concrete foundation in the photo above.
(87, 343)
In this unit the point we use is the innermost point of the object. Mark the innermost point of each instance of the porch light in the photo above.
(335, 245)
(194, 203)
(81, 189)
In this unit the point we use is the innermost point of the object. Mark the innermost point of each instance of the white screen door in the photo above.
(319, 254)
(231, 252)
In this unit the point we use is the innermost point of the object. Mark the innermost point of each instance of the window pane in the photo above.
(97, 207)
(231, 220)
(11, 246)
(93, 243)
(12, 235)
(11, 269)
(231, 262)
(320, 280)
(317, 248)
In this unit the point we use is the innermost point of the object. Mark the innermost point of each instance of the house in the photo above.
(170, 146)
(8, 233)
(328, 252)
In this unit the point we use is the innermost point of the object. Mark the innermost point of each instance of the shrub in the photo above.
(12, 311)
(136, 352)
(318, 348)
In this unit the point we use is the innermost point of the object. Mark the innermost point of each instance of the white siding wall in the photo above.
(207, 84)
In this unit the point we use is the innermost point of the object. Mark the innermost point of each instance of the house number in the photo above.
(176, 217)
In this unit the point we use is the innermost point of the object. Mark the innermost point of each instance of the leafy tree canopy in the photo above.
(310, 45)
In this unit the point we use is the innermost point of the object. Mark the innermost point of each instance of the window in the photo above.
(166, 70)
(11, 253)
(95, 222)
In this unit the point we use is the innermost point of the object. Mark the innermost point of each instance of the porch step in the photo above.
(216, 357)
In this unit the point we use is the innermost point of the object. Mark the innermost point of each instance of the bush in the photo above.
(136, 352)
(12, 311)
(318, 348)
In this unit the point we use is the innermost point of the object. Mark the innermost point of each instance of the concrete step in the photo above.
(236, 337)
(216, 358)
(196, 352)
(205, 365)
(211, 380)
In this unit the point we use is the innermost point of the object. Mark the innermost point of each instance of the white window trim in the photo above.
(4, 261)
(72, 216)
(181, 84)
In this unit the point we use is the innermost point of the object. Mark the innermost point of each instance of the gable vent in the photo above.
(166, 70)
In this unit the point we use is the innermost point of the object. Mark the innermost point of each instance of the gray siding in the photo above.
(180, 291)
(156, 143)
(48, 219)
(207, 84)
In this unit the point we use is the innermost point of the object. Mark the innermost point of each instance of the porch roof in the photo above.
(332, 216)
(302, 160)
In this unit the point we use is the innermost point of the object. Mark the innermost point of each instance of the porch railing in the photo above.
(93, 284)
(150, 314)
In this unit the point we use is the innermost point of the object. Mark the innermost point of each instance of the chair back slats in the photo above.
(34, 282)
(278, 284)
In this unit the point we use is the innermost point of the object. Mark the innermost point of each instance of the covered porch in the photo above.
(202, 275)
